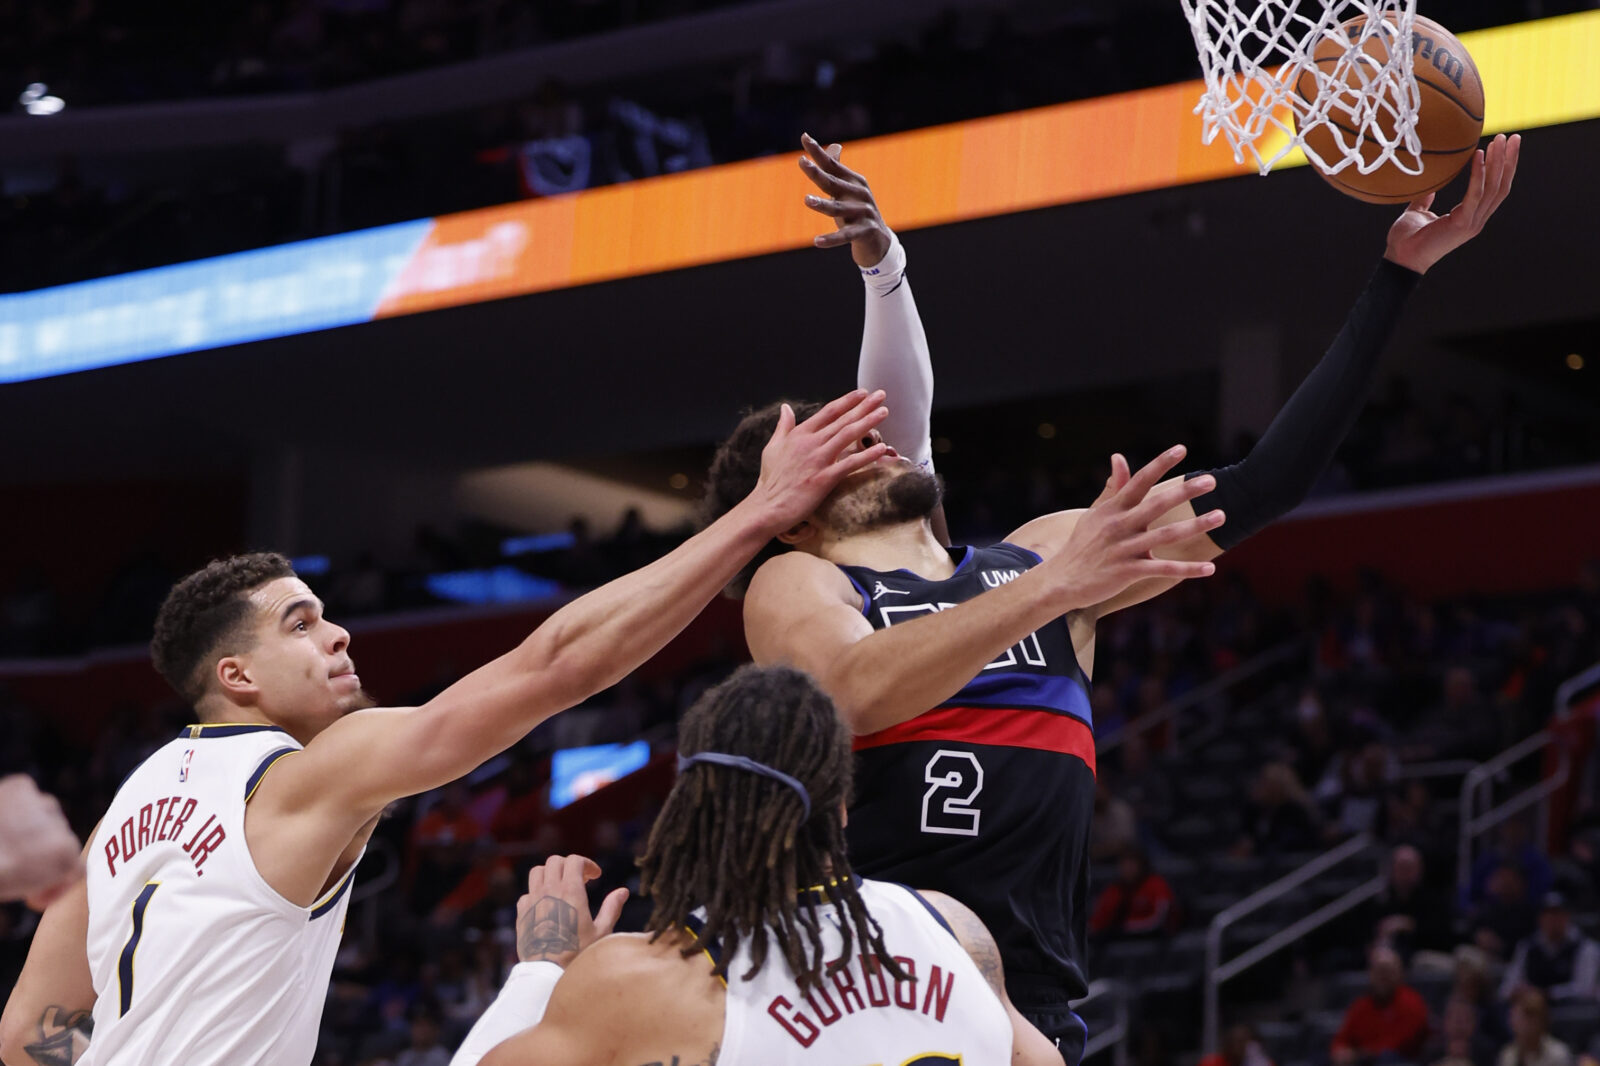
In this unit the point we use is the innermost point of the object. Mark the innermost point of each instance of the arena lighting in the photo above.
(1535, 74)
(35, 100)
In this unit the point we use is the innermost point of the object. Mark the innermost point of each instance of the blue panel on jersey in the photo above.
(1043, 691)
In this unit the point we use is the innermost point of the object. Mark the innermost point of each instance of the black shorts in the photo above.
(1063, 1027)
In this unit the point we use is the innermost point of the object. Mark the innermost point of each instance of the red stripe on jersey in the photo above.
(995, 726)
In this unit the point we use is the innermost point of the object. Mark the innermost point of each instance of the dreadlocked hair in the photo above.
(736, 468)
(738, 843)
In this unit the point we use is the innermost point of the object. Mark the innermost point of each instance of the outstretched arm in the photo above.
(1302, 439)
(1029, 1047)
(804, 611)
(311, 803)
(894, 346)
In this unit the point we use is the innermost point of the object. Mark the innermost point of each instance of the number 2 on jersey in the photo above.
(954, 780)
(125, 963)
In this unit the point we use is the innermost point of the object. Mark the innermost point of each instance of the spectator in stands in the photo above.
(1558, 960)
(1114, 829)
(1356, 804)
(1474, 987)
(1513, 847)
(1531, 1043)
(1143, 784)
(1277, 819)
(1459, 726)
(1389, 1022)
(1409, 915)
(1463, 1042)
(1139, 903)
(442, 847)
(1506, 915)
(425, 1049)
(1239, 1048)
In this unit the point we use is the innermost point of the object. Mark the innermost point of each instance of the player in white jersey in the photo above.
(205, 931)
(763, 947)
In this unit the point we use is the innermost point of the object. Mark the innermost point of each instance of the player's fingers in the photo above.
(1169, 494)
(854, 430)
(851, 209)
(846, 234)
(832, 410)
(828, 430)
(1178, 569)
(605, 919)
(849, 464)
(831, 184)
(591, 869)
(1423, 203)
(1175, 532)
(1493, 171)
(828, 159)
(1141, 483)
(1468, 207)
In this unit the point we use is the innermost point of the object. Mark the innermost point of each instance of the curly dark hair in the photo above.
(739, 843)
(206, 615)
(736, 468)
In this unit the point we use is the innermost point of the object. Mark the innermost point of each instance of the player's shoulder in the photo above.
(970, 932)
(637, 963)
(797, 573)
(1045, 535)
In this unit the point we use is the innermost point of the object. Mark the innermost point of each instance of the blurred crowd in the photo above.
(1304, 757)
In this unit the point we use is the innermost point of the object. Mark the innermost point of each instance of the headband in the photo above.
(739, 762)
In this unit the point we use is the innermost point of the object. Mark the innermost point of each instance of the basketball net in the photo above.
(1255, 52)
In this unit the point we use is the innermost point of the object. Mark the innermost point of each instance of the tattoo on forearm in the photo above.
(63, 1037)
(676, 1061)
(979, 942)
(550, 928)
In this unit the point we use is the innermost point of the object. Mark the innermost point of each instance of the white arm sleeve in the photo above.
(895, 358)
(520, 1005)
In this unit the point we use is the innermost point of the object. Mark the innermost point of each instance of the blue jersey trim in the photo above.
(866, 601)
(931, 909)
(328, 904)
(262, 768)
(1047, 692)
(1035, 556)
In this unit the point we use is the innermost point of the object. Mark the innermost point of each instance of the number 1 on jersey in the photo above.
(125, 963)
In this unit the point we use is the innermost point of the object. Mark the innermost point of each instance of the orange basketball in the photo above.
(1449, 123)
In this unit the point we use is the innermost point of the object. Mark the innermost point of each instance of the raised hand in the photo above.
(553, 922)
(1110, 547)
(802, 463)
(1420, 238)
(39, 857)
(848, 202)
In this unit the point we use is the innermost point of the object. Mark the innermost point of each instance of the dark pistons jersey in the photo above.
(989, 795)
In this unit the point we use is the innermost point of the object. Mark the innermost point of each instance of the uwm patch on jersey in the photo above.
(987, 796)
(195, 958)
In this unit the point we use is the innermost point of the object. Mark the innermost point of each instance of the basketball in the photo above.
(1449, 122)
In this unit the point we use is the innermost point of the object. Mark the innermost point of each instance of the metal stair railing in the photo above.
(1219, 972)
(1170, 711)
(1477, 792)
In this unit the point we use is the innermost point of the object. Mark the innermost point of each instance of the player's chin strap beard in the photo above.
(740, 762)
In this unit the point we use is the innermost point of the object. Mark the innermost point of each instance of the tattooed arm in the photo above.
(625, 1002)
(46, 1020)
(1029, 1047)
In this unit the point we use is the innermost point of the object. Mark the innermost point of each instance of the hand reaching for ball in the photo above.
(1421, 238)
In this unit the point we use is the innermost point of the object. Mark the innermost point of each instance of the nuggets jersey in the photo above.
(988, 796)
(195, 958)
(944, 1012)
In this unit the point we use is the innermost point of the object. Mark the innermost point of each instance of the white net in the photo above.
(1261, 62)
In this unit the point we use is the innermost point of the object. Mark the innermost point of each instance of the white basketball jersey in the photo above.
(944, 1013)
(195, 958)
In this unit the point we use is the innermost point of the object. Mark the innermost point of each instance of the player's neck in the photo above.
(906, 546)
